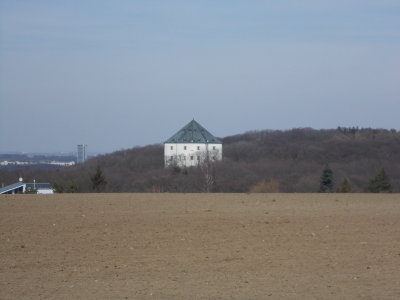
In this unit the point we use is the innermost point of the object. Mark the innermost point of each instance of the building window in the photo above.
(191, 158)
(213, 147)
(198, 147)
(172, 147)
(184, 147)
(198, 157)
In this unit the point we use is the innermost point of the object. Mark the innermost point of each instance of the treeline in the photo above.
(258, 161)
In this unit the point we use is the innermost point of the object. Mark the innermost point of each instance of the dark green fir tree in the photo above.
(380, 183)
(326, 180)
(98, 180)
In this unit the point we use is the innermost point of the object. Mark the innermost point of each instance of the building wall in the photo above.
(45, 191)
(188, 155)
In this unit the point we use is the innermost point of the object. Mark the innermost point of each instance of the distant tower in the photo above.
(82, 153)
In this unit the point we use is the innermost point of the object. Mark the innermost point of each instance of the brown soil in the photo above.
(200, 246)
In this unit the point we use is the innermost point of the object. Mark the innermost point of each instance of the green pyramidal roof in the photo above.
(193, 132)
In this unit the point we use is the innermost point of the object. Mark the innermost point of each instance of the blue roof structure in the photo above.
(21, 187)
(9, 188)
(39, 186)
(193, 132)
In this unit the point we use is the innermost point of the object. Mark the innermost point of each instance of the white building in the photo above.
(191, 146)
(39, 188)
(81, 154)
(21, 187)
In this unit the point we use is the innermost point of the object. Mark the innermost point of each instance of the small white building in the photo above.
(21, 188)
(39, 188)
(191, 146)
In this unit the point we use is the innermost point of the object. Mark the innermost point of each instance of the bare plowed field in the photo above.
(200, 246)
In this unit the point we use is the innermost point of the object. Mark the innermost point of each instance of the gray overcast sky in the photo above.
(116, 74)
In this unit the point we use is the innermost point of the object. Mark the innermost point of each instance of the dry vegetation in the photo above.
(264, 161)
(200, 246)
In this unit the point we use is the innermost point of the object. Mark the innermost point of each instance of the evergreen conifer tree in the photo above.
(58, 188)
(380, 183)
(326, 181)
(98, 180)
(71, 188)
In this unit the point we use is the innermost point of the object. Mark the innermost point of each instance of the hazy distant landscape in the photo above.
(257, 161)
(11, 161)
